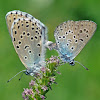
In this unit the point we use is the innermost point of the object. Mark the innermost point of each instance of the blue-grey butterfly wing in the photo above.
(72, 36)
(29, 37)
(13, 15)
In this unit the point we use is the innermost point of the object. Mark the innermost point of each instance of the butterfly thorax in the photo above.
(33, 69)
(29, 72)
(67, 59)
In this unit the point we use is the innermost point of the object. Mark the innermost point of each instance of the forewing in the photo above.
(72, 36)
(28, 37)
(13, 15)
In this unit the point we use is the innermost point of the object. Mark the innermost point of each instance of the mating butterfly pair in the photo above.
(29, 37)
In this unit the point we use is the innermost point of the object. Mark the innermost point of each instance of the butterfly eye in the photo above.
(72, 63)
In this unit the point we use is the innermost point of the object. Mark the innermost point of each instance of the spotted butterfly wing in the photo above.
(13, 15)
(29, 37)
(72, 36)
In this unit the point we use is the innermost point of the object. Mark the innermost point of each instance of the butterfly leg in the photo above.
(21, 76)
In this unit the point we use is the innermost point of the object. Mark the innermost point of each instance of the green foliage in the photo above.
(42, 81)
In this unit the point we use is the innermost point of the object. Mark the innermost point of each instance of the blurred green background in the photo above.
(75, 83)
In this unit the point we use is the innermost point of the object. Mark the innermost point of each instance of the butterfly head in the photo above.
(65, 58)
(72, 63)
(28, 72)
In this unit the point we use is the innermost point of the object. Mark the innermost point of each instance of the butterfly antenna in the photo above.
(20, 77)
(15, 75)
(81, 65)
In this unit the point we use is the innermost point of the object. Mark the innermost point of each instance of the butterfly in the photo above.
(29, 37)
(71, 37)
